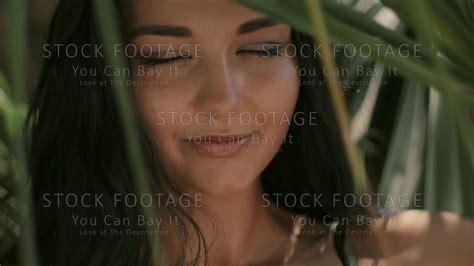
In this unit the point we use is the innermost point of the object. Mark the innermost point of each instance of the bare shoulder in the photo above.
(415, 237)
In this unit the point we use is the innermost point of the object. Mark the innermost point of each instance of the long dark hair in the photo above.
(77, 146)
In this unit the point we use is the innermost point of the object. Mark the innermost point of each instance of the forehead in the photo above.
(191, 13)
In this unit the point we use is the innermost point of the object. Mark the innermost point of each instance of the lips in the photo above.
(219, 139)
(219, 146)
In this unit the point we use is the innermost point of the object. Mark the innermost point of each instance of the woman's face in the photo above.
(211, 86)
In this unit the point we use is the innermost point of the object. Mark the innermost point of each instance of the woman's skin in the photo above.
(222, 73)
(222, 78)
(417, 237)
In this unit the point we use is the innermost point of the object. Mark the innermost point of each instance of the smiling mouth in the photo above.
(222, 139)
(219, 146)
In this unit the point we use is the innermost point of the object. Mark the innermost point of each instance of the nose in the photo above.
(221, 90)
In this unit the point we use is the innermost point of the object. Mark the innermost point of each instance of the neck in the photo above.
(237, 227)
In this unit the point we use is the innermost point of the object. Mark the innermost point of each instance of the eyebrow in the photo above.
(165, 30)
(180, 31)
(256, 24)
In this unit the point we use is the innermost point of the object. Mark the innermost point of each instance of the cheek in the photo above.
(156, 106)
(273, 90)
(160, 92)
(166, 108)
(277, 90)
(277, 83)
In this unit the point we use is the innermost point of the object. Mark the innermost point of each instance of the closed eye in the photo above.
(262, 53)
(262, 49)
(153, 61)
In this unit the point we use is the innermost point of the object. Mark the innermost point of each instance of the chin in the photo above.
(196, 173)
(221, 181)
